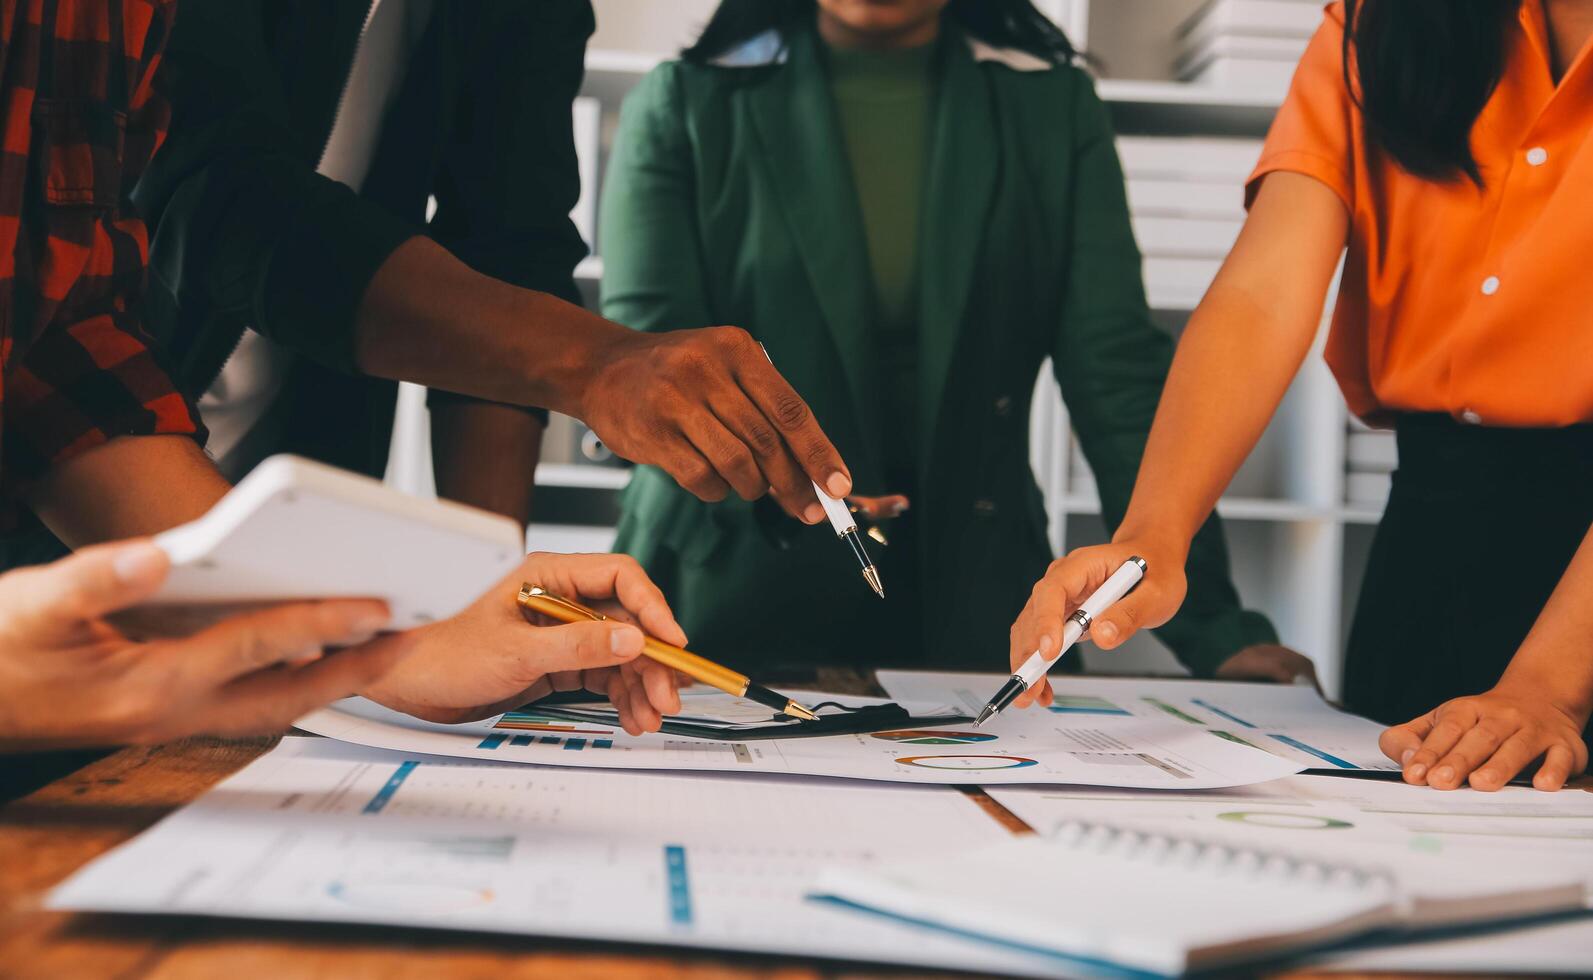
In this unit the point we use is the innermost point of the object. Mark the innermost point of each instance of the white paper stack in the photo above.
(1252, 45)
(1370, 459)
(1186, 199)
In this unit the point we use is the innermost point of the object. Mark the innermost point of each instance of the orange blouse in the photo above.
(1478, 303)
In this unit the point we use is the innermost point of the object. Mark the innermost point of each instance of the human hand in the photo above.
(68, 677)
(708, 408)
(489, 659)
(1268, 662)
(1487, 739)
(1071, 579)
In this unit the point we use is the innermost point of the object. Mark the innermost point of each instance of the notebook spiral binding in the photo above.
(1217, 857)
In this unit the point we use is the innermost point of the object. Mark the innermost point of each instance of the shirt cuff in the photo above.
(1301, 162)
(319, 271)
(1202, 643)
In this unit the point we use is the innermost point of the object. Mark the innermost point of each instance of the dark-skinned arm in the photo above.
(247, 228)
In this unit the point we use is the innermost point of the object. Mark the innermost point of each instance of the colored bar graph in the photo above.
(521, 740)
(1218, 711)
(602, 743)
(492, 741)
(527, 721)
(549, 740)
(575, 744)
(390, 787)
(1169, 709)
(679, 886)
(1296, 743)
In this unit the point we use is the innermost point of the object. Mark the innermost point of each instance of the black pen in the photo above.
(845, 527)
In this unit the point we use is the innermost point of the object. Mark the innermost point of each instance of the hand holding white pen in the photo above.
(1119, 584)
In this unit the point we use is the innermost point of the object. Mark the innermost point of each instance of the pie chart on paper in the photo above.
(967, 763)
(929, 736)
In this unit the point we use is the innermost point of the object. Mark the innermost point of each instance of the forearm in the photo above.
(128, 487)
(429, 318)
(1205, 426)
(1238, 354)
(485, 455)
(1557, 655)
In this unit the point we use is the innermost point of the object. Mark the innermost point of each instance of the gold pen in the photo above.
(534, 599)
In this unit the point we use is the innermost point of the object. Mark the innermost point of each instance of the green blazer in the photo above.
(729, 200)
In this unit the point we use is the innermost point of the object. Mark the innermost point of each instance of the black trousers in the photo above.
(1479, 529)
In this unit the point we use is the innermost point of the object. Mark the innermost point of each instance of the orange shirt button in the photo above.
(1537, 156)
(1490, 285)
(1470, 417)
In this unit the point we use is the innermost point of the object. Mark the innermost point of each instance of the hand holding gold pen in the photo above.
(534, 599)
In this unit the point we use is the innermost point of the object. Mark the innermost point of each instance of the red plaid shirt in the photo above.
(80, 120)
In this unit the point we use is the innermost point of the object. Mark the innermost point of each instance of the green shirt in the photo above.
(884, 101)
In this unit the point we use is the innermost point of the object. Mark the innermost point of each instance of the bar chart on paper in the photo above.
(1104, 745)
(719, 862)
(1290, 722)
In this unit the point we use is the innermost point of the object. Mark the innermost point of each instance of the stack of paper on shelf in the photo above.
(1250, 45)
(1369, 461)
(1186, 199)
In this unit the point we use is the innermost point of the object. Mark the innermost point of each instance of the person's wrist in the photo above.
(1529, 680)
(572, 349)
(1162, 545)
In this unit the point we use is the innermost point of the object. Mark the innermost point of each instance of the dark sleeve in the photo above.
(509, 175)
(1112, 362)
(243, 223)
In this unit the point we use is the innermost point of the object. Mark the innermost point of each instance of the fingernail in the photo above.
(305, 656)
(1106, 631)
(138, 562)
(1045, 644)
(813, 514)
(839, 484)
(625, 640)
(1417, 771)
(358, 636)
(1405, 757)
(1443, 775)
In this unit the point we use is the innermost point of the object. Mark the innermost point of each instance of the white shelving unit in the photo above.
(1297, 549)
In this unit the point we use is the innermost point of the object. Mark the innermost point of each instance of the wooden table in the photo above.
(46, 836)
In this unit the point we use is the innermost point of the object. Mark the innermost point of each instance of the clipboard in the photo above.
(834, 719)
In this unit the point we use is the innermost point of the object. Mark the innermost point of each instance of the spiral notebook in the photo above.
(1160, 904)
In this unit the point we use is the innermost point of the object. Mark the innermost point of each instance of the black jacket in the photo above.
(245, 233)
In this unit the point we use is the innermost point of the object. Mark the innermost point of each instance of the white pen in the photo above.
(845, 527)
(1119, 584)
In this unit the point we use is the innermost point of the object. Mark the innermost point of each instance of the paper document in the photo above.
(1290, 721)
(322, 831)
(1171, 902)
(1037, 747)
(1560, 947)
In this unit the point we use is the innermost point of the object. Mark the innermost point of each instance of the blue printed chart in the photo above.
(1103, 746)
(1289, 721)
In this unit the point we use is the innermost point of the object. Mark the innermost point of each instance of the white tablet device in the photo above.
(297, 529)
